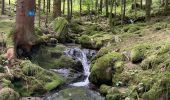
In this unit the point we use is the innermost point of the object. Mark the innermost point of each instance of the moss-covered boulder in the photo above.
(104, 89)
(31, 79)
(8, 94)
(53, 57)
(60, 26)
(104, 65)
(138, 53)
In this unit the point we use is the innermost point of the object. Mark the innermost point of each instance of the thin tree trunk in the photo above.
(123, 11)
(148, 9)
(46, 20)
(39, 13)
(68, 10)
(166, 6)
(80, 7)
(44, 6)
(3, 7)
(110, 15)
(64, 6)
(71, 8)
(107, 7)
(101, 6)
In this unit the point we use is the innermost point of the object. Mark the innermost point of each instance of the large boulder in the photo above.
(30, 79)
(60, 26)
(103, 68)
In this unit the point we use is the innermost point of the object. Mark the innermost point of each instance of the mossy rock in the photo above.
(151, 62)
(105, 66)
(8, 94)
(85, 41)
(53, 57)
(34, 80)
(60, 26)
(119, 66)
(104, 89)
(138, 53)
(116, 96)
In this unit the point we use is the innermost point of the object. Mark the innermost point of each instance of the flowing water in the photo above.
(79, 89)
(82, 56)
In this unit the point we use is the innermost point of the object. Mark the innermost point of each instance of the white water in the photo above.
(81, 55)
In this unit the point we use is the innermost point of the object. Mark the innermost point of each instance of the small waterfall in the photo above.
(82, 56)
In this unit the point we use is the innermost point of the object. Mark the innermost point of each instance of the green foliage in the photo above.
(8, 94)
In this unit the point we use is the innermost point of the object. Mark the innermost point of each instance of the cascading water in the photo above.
(82, 56)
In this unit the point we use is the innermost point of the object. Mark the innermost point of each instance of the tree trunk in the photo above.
(107, 7)
(80, 7)
(166, 6)
(44, 6)
(110, 15)
(9, 2)
(101, 6)
(56, 8)
(3, 7)
(24, 22)
(68, 10)
(96, 6)
(71, 8)
(141, 4)
(123, 11)
(148, 9)
(39, 13)
(64, 6)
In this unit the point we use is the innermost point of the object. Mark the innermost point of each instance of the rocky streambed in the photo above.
(77, 86)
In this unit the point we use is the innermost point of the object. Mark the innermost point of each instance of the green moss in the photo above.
(104, 89)
(113, 96)
(53, 57)
(85, 41)
(151, 62)
(119, 66)
(138, 53)
(6, 83)
(34, 80)
(8, 94)
(104, 65)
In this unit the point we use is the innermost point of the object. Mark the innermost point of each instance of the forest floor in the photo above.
(120, 39)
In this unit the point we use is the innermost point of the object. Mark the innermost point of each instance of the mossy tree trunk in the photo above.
(56, 8)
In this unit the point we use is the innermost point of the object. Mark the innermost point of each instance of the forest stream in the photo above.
(79, 88)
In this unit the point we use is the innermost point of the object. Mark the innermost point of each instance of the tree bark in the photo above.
(3, 7)
(24, 23)
(56, 8)
(148, 9)
(107, 7)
